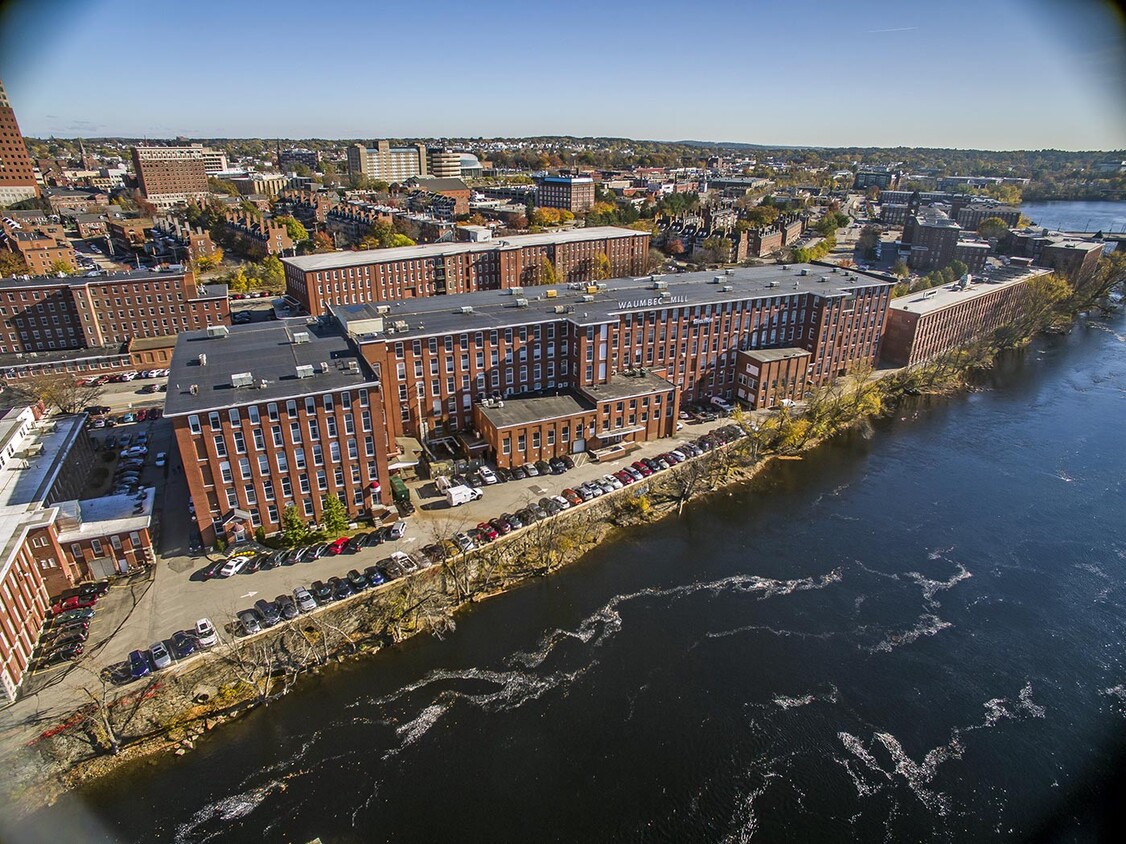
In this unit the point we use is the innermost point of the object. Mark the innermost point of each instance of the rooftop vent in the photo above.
(400, 325)
(521, 303)
(218, 331)
(383, 309)
(727, 288)
(772, 284)
(300, 337)
(305, 371)
(203, 360)
(803, 272)
(242, 379)
(824, 278)
(717, 279)
(560, 309)
(660, 285)
(516, 291)
(586, 298)
(466, 309)
(324, 367)
(729, 272)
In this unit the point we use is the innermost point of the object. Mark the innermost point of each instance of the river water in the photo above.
(910, 635)
(1068, 215)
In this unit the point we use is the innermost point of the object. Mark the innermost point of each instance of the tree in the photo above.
(761, 216)
(11, 264)
(237, 280)
(295, 530)
(323, 243)
(64, 393)
(900, 269)
(993, 228)
(868, 241)
(61, 267)
(293, 227)
(206, 263)
(223, 186)
(548, 274)
(602, 266)
(334, 517)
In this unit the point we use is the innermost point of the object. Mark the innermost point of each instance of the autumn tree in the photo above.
(548, 273)
(900, 269)
(206, 263)
(61, 267)
(11, 264)
(992, 228)
(334, 516)
(602, 267)
(293, 227)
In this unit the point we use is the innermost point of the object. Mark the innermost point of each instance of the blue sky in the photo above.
(992, 74)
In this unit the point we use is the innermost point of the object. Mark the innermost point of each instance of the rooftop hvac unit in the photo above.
(383, 309)
(466, 309)
(400, 325)
(551, 293)
(772, 284)
(521, 303)
(804, 272)
(784, 268)
(241, 379)
(666, 294)
(660, 285)
(300, 337)
(717, 279)
(587, 298)
(560, 309)
(727, 288)
(305, 371)
(203, 360)
(218, 331)
(824, 278)
(324, 367)
(516, 291)
(353, 366)
(729, 272)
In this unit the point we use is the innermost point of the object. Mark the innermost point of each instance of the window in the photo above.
(272, 411)
(193, 424)
(225, 472)
(252, 412)
(214, 421)
(220, 446)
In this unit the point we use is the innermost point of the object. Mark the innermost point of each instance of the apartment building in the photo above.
(104, 310)
(935, 241)
(42, 248)
(173, 175)
(975, 213)
(257, 237)
(438, 269)
(572, 193)
(384, 162)
(921, 326)
(274, 414)
(290, 158)
(17, 173)
(1075, 260)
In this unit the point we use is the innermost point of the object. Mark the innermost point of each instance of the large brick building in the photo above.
(935, 241)
(17, 174)
(1076, 260)
(275, 414)
(382, 275)
(921, 326)
(104, 310)
(171, 175)
(572, 193)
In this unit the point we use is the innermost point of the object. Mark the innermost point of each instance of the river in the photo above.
(1069, 215)
(912, 634)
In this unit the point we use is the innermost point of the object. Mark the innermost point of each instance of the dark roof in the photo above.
(96, 277)
(766, 355)
(534, 409)
(268, 353)
(434, 184)
(623, 386)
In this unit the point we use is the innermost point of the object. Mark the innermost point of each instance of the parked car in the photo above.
(161, 459)
(391, 568)
(519, 473)
(69, 636)
(488, 476)
(558, 467)
(250, 622)
(487, 530)
(513, 520)
(268, 612)
(573, 497)
(563, 503)
(71, 616)
(404, 562)
(304, 600)
(98, 588)
(233, 566)
(341, 589)
(376, 537)
(286, 606)
(375, 576)
(74, 602)
(336, 546)
(205, 633)
(464, 542)
(358, 582)
(567, 461)
(503, 475)
(160, 656)
(434, 552)
(614, 481)
(543, 467)
(184, 644)
(531, 470)
(293, 555)
(138, 665)
(550, 506)
(255, 563)
(353, 545)
(275, 559)
(398, 530)
(641, 468)
(321, 591)
(57, 655)
(539, 512)
(500, 526)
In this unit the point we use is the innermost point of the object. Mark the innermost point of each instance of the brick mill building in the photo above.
(383, 275)
(921, 326)
(287, 412)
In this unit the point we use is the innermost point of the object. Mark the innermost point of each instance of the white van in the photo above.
(457, 495)
(722, 404)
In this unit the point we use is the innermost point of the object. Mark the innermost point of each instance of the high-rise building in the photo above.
(444, 163)
(387, 163)
(173, 175)
(573, 193)
(17, 175)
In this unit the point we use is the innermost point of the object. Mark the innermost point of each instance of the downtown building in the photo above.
(571, 193)
(17, 173)
(101, 321)
(395, 165)
(170, 176)
(291, 411)
(439, 269)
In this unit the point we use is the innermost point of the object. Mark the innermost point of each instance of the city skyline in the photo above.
(991, 75)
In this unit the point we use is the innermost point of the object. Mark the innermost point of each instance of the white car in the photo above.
(233, 566)
(398, 530)
(561, 501)
(161, 459)
(488, 476)
(205, 633)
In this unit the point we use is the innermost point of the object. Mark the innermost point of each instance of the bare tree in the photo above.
(61, 392)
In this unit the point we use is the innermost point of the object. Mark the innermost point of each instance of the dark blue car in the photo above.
(139, 665)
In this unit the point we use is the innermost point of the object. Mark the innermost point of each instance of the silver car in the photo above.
(304, 600)
(160, 656)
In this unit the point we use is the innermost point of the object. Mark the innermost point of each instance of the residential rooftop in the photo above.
(104, 516)
(337, 260)
(523, 411)
(767, 355)
(496, 309)
(92, 277)
(938, 298)
(269, 361)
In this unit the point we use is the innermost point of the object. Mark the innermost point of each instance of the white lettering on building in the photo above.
(651, 303)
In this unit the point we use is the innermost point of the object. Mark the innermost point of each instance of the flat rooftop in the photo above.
(497, 309)
(94, 517)
(28, 480)
(623, 386)
(767, 355)
(92, 277)
(336, 260)
(517, 411)
(938, 298)
(270, 354)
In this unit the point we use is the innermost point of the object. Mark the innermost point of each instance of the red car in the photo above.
(74, 602)
(488, 531)
(337, 547)
(573, 497)
(642, 468)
